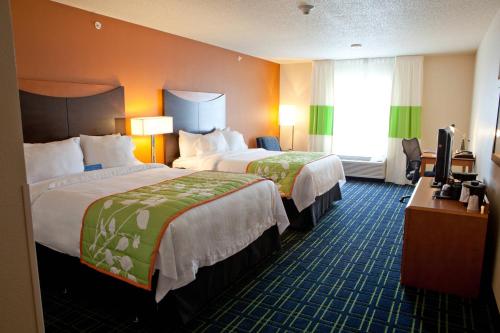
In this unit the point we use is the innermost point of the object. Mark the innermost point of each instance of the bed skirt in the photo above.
(311, 215)
(178, 306)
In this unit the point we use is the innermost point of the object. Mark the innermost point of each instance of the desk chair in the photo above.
(268, 143)
(411, 149)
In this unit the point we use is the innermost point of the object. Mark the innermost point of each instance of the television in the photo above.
(444, 155)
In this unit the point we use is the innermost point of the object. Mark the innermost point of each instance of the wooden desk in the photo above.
(430, 158)
(443, 244)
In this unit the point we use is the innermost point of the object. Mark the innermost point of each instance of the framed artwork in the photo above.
(495, 156)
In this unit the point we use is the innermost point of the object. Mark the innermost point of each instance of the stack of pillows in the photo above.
(86, 153)
(218, 141)
(78, 154)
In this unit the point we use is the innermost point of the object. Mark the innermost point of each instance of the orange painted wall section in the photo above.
(60, 43)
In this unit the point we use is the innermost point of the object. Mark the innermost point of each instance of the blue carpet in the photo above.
(344, 276)
(341, 276)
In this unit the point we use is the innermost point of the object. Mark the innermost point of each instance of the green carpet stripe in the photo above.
(343, 276)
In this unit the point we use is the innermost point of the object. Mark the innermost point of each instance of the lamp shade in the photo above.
(152, 125)
(287, 115)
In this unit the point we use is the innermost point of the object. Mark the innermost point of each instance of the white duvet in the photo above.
(315, 179)
(200, 237)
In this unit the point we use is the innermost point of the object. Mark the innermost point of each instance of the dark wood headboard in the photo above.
(49, 118)
(195, 112)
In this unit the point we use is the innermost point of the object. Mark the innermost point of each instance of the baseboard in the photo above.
(365, 179)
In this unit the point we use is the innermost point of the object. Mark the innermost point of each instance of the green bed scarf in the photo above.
(284, 168)
(121, 233)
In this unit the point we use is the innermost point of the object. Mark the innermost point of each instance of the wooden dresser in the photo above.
(443, 244)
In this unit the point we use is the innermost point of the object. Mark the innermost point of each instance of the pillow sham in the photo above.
(52, 159)
(187, 143)
(234, 140)
(109, 150)
(212, 143)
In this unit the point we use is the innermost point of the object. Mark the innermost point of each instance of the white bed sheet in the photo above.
(200, 237)
(315, 179)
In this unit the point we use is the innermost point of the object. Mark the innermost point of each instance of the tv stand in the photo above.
(443, 244)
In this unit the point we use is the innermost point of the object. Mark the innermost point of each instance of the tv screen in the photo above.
(443, 156)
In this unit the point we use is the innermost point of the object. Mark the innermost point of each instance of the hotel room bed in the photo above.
(200, 237)
(316, 187)
(203, 249)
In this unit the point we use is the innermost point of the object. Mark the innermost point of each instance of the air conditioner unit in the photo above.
(363, 167)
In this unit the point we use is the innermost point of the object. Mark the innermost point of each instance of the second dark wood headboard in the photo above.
(195, 112)
(48, 118)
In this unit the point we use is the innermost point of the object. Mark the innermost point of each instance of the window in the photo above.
(362, 99)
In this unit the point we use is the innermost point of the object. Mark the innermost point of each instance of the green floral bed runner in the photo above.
(121, 233)
(284, 168)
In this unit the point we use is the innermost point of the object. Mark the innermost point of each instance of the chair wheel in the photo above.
(403, 198)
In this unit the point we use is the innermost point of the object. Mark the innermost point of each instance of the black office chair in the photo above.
(411, 148)
(268, 143)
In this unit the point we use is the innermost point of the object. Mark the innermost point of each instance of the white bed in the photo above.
(200, 237)
(315, 179)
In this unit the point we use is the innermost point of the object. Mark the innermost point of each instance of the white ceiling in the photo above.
(278, 31)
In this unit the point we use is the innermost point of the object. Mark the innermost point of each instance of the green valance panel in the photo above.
(321, 120)
(405, 121)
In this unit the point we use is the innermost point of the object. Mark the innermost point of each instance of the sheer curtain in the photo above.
(321, 113)
(362, 94)
(405, 114)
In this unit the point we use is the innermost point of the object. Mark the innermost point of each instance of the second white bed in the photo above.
(315, 179)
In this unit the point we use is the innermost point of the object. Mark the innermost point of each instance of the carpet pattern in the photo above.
(343, 276)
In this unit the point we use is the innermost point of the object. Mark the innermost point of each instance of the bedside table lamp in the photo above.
(287, 115)
(152, 126)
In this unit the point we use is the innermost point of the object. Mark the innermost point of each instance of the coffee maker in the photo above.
(473, 193)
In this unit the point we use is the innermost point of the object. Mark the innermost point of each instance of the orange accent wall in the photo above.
(60, 43)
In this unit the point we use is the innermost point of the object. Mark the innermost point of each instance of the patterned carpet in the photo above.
(342, 276)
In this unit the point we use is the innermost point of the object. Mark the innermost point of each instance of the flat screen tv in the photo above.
(443, 156)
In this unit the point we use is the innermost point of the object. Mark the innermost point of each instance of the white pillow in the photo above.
(53, 159)
(186, 143)
(211, 143)
(234, 139)
(109, 150)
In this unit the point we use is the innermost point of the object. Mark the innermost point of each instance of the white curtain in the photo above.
(405, 113)
(321, 108)
(362, 93)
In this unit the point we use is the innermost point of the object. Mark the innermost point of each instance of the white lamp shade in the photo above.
(287, 116)
(152, 125)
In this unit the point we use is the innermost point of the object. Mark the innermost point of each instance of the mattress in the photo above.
(200, 237)
(315, 178)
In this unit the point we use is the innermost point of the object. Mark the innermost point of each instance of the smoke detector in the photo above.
(305, 8)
